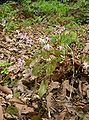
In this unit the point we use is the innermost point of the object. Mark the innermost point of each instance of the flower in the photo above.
(47, 47)
(42, 41)
(86, 65)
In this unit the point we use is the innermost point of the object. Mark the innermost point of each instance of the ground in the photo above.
(67, 94)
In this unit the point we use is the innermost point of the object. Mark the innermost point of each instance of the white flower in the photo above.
(3, 22)
(86, 65)
(47, 47)
(9, 96)
(60, 47)
(17, 31)
(42, 41)
(48, 60)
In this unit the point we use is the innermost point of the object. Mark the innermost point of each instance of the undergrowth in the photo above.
(47, 56)
(18, 13)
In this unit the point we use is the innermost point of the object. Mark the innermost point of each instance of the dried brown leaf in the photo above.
(85, 87)
(23, 108)
(80, 86)
(8, 39)
(1, 113)
(5, 89)
(61, 116)
(53, 85)
(67, 86)
(15, 100)
(88, 93)
(86, 48)
(86, 117)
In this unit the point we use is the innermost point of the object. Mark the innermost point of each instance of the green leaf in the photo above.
(43, 88)
(38, 69)
(86, 58)
(54, 39)
(11, 110)
(68, 37)
(17, 94)
(50, 68)
(4, 63)
(5, 72)
(45, 54)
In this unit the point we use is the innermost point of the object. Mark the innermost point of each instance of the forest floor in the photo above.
(67, 95)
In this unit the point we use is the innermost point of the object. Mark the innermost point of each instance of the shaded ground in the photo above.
(67, 97)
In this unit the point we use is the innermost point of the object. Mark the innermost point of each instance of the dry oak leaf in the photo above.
(67, 86)
(1, 113)
(86, 116)
(86, 48)
(23, 108)
(61, 116)
(5, 89)
(16, 100)
(20, 106)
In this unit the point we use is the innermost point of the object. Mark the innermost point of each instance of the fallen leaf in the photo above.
(1, 113)
(86, 48)
(67, 86)
(8, 39)
(23, 108)
(5, 89)
(86, 116)
(88, 93)
(49, 104)
(80, 86)
(15, 100)
(61, 116)
(86, 89)
(35, 117)
(53, 85)
(20, 86)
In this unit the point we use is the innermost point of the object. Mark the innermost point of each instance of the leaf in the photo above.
(86, 48)
(5, 89)
(45, 54)
(54, 39)
(17, 94)
(5, 72)
(15, 100)
(86, 58)
(68, 37)
(35, 117)
(43, 88)
(86, 116)
(23, 108)
(4, 63)
(50, 68)
(11, 110)
(1, 113)
(61, 116)
(38, 69)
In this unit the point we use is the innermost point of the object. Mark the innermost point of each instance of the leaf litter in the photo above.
(24, 96)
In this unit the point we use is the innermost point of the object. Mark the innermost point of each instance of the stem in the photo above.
(72, 53)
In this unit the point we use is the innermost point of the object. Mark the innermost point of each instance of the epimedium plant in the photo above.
(4, 65)
(47, 54)
(80, 11)
(50, 7)
(41, 9)
(9, 12)
(8, 16)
